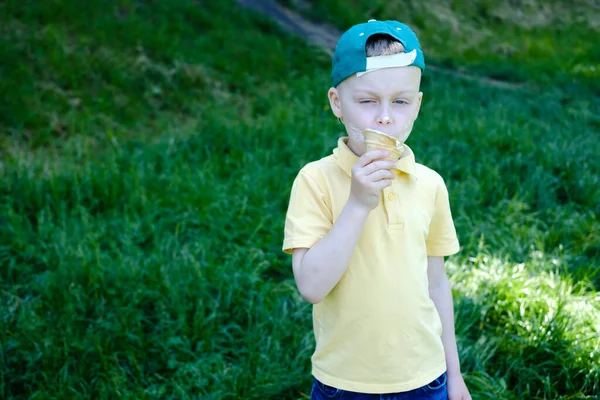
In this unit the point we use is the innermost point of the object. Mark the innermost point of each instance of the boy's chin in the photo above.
(358, 148)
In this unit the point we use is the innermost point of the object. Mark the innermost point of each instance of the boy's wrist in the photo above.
(357, 209)
(452, 372)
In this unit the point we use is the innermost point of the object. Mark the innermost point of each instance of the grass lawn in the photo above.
(147, 151)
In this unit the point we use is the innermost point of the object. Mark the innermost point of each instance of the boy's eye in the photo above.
(366, 101)
(400, 101)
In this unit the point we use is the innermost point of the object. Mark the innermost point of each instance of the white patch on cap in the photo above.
(396, 60)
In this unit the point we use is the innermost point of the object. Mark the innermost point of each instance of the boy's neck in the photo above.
(355, 148)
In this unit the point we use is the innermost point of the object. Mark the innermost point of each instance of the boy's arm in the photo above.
(441, 294)
(317, 270)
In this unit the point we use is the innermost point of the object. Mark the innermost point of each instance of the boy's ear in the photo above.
(334, 102)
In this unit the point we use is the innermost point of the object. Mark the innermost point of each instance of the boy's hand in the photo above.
(457, 390)
(370, 174)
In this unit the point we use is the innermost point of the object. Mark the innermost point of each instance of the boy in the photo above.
(369, 235)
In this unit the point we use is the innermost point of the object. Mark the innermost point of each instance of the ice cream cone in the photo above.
(376, 140)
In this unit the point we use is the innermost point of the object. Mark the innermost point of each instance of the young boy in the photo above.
(369, 235)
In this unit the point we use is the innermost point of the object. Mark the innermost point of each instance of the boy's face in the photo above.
(387, 100)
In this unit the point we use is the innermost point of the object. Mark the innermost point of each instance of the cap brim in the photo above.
(395, 60)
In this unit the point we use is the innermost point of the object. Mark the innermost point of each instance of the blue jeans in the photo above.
(435, 390)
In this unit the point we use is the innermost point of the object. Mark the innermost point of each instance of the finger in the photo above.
(371, 156)
(382, 184)
(380, 174)
(378, 165)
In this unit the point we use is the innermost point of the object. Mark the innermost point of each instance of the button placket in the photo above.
(393, 208)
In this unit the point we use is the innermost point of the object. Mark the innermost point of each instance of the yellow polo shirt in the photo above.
(377, 331)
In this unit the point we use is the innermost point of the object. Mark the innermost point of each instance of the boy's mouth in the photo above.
(358, 136)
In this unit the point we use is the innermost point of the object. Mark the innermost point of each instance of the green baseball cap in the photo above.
(350, 55)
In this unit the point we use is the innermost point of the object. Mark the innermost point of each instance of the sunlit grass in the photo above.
(140, 244)
(533, 322)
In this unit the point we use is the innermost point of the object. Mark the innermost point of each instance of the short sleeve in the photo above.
(309, 215)
(442, 239)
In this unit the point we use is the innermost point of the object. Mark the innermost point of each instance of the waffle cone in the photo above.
(376, 140)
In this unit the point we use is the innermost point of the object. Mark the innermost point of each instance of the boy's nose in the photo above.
(384, 120)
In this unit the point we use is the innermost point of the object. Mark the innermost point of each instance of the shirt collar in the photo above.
(346, 159)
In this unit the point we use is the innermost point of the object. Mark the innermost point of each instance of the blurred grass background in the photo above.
(147, 150)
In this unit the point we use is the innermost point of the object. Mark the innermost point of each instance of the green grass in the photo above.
(147, 153)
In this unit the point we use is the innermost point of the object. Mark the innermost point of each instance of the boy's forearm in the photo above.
(442, 298)
(324, 264)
